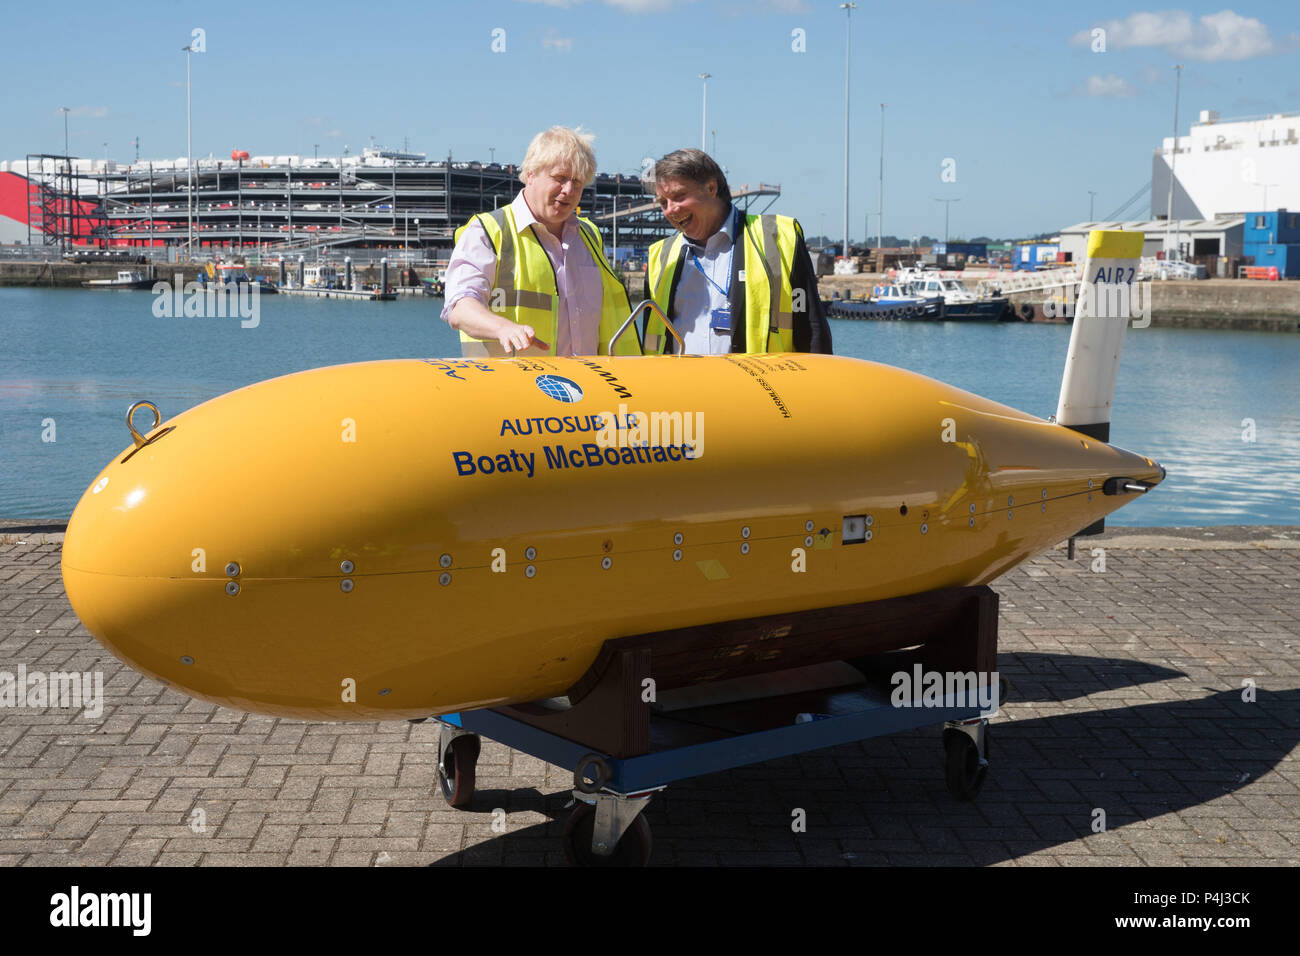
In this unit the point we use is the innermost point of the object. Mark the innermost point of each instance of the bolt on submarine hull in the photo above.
(407, 538)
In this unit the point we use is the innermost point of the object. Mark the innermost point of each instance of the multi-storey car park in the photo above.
(381, 200)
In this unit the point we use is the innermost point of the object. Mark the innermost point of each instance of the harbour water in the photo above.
(1219, 409)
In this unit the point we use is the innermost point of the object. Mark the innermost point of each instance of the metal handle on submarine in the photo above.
(644, 303)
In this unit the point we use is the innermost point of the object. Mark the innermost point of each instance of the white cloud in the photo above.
(1213, 37)
(1108, 85)
(335, 133)
(552, 41)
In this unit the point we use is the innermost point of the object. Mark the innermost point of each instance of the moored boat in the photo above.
(960, 304)
(126, 279)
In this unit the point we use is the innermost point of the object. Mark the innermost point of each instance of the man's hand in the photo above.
(515, 338)
(475, 319)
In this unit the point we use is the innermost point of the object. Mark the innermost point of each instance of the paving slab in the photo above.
(1154, 720)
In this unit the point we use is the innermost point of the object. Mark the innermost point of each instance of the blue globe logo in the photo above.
(559, 388)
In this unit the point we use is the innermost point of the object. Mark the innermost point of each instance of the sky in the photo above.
(1015, 110)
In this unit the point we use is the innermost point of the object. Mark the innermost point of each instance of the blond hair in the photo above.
(561, 146)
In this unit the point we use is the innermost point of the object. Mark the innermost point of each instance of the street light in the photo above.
(1173, 161)
(68, 164)
(315, 151)
(946, 205)
(187, 49)
(848, 9)
(880, 209)
(1265, 188)
(1092, 195)
(704, 110)
(492, 151)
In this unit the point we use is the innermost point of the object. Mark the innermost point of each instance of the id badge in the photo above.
(720, 320)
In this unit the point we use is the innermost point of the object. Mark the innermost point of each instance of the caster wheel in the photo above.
(456, 771)
(964, 771)
(632, 850)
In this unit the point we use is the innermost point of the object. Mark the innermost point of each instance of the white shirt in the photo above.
(696, 297)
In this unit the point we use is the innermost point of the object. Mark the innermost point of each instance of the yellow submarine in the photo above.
(407, 538)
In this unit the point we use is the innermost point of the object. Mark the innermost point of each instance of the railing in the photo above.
(1031, 281)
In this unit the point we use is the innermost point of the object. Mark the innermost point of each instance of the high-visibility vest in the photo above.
(524, 290)
(769, 243)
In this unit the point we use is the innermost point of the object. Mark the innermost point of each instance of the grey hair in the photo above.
(694, 165)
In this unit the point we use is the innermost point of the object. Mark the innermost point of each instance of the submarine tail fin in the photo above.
(1102, 313)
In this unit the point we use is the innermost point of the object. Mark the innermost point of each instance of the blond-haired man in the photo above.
(531, 278)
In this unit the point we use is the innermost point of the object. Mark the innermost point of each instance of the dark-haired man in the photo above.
(727, 281)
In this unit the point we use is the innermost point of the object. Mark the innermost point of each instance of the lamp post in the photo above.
(848, 9)
(880, 209)
(492, 152)
(704, 111)
(1173, 160)
(188, 49)
(1092, 196)
(68, 165)
(1265, 187)
(946, 204)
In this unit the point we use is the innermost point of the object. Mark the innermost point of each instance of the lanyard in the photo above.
(726, 293)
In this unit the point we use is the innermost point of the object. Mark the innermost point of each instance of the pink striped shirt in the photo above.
(577, 278)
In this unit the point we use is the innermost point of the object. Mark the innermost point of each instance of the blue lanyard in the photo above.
(726, 293)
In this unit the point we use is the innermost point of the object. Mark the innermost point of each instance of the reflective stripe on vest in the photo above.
(524, 288)
(770, 243)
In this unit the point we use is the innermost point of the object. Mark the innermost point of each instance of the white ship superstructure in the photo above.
(1237, 166)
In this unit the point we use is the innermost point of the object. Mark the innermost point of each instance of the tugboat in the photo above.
(959, 303)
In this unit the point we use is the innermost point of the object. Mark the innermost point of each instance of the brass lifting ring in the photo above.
(130, 413)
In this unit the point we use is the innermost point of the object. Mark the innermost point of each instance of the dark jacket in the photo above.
(812, 333)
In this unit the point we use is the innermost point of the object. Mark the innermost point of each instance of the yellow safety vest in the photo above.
(524, 290)
(770, 243)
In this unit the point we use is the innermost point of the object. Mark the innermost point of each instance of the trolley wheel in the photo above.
(964, 771)
(456, 771)
(633, 848)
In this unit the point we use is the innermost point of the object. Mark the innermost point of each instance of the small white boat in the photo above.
(126, 279)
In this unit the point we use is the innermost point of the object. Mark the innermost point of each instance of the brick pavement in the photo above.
(1126, 698)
